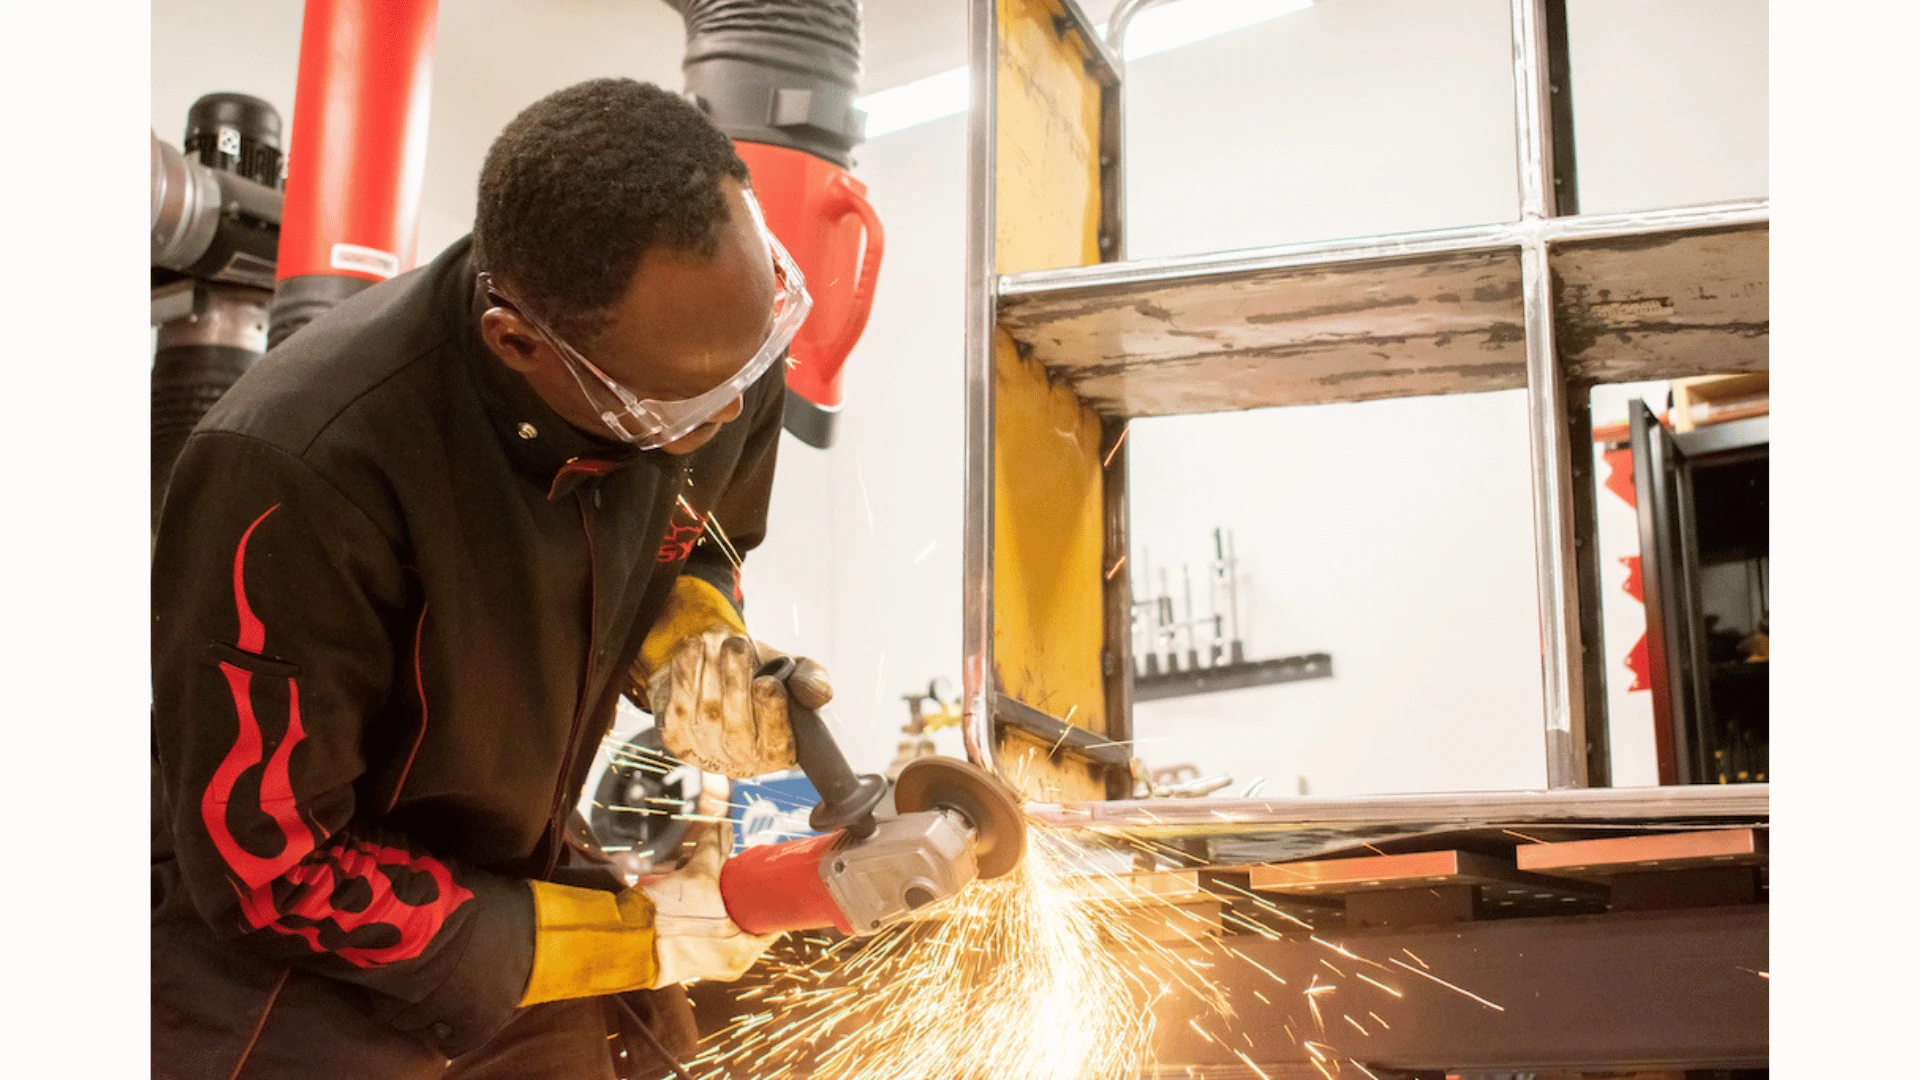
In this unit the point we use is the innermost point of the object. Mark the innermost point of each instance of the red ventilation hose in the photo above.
(358, 152)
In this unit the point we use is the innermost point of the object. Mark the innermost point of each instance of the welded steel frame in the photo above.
(1458, 809)
(979, 694)
(1566, 558)
(983, 710)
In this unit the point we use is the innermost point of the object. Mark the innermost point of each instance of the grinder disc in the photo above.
(943, 783)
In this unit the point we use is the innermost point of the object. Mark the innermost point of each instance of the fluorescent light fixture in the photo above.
(1170, 26)
(917, 102)
(1155, 30)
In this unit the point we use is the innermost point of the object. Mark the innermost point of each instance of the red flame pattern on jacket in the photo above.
(314, 882)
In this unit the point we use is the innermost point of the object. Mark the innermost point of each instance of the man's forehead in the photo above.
(690, 319)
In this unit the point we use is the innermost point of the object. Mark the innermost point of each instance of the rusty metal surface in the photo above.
(1647, 989)
(1283, 335)
(1627, 854)
(1654, 294)
(1665, 306)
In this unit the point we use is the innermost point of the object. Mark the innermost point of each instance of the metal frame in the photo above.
(983, 709)
(1697, 802)
(983, 302)
(1547, 232)
(1566, 559)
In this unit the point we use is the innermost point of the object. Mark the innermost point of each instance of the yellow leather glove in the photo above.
(695, 671)
(588, 943)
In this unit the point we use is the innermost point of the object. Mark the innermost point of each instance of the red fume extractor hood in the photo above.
(779, 77)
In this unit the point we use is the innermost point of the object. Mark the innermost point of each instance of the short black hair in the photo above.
(584, 181)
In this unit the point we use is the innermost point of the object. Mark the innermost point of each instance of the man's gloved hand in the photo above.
(588, 943)
(696, 669)
(693, 936)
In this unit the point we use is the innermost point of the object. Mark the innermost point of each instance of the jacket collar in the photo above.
(542, 447)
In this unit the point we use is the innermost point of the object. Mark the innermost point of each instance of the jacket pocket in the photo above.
(222, 653)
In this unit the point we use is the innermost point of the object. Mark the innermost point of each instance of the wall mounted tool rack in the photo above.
(1066, 342)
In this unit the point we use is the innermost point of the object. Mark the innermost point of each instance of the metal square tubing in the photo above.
(976, 563)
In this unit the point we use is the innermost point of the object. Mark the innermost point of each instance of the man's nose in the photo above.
(730, 413)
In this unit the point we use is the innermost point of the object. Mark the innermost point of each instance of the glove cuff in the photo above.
(693, 608)
(587, 943)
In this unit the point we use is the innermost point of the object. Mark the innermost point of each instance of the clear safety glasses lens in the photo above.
(650, 424)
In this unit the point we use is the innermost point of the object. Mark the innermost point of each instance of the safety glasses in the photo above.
(649, 423)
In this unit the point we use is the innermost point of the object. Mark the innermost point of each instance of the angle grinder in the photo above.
(954, 823)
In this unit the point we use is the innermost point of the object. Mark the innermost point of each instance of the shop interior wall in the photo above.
(1394, 535)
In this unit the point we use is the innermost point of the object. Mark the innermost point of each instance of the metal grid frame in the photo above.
(1561, 451)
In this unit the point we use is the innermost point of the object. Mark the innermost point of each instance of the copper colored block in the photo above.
(1634, 854)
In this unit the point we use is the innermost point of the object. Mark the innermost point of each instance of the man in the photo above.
(403, 571)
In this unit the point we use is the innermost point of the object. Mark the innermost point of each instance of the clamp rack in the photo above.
(1066, 342)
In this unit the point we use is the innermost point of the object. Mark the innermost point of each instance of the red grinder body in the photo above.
(774, 888)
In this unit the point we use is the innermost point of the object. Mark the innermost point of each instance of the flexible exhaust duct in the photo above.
(780, 72)
(198, 358)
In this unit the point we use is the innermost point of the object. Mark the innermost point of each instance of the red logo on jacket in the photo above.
(684, 529)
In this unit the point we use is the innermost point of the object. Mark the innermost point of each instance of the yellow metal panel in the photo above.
(1047, 549)
(1048, 543)
(1048, 144)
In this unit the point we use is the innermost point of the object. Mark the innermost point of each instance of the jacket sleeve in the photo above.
(276, 607)
(741, 509)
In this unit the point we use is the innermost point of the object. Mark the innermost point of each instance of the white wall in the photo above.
(1395, 535)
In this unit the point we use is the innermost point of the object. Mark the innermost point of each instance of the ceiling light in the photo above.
(1155, 30)
(1170, 26)
(917, 102)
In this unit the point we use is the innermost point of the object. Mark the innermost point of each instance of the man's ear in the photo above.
(510, 338)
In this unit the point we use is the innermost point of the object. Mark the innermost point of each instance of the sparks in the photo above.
(1362, 976)
(1045, 948)
(1448, 985)
(1117, 443)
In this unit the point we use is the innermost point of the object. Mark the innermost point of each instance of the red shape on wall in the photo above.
(1637, 663)
(1636, 656)
(1620, 475)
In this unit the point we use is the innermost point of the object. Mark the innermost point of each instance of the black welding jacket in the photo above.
(395, 600)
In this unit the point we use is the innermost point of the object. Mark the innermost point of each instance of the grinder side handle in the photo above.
(847, 799)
